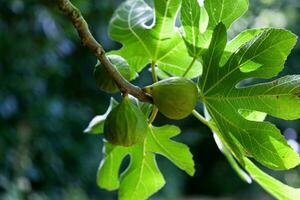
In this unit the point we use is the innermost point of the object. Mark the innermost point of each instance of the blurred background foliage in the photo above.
(48, 96)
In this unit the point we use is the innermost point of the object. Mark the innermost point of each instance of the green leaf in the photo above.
(280, 98)
(108, 172)
(253, 115)
(225, 11)
(238, 41)
(97, 123)
(146, 108)
(235, 166)
(243, 38)
(142, 177)
(270, 184)
(161, 74)
(214, 53)
(194, 20)
(160, 42)
(159, 142)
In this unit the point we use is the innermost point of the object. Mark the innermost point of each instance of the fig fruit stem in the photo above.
(200, 118)
(89, 41)
(189, 67)
(155, 79)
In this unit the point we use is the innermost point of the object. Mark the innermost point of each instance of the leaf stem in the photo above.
(200, 118)
(155, 79)
(190, 67)
(89, 41)
(153, 115)
(153, 71)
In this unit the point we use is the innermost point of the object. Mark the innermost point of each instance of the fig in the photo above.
(103, 80)
(126, 125)
(174, 97)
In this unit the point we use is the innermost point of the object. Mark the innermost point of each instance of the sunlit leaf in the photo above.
(225, 11)
(273, 186)
(142, 177)
(159, 142)
(279, 98)
(144, 42)
(108, 173)
(194, 20)
(270, 184)
(238, 41)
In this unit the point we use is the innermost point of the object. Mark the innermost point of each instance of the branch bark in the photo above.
(89, 41)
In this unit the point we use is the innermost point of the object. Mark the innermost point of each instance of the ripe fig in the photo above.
(126, 125)
(103, 80)
(174, 97)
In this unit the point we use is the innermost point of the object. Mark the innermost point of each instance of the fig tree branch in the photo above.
(89, 41)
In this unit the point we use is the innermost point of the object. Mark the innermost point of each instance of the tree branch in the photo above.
(89, 41)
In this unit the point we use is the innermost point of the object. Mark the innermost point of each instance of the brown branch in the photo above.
(89, 41)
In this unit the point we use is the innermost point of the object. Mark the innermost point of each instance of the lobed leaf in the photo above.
(270, 184)
(263, 56)
(194, 20)
(159, 142)
(108, 172)
(142, 177)
(234, 164)
(225, 11)
(238, 41)
(96, 125)
(144, 42)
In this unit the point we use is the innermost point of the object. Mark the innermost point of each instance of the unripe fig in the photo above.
(174, 97)
(104, 81)
(126, 125)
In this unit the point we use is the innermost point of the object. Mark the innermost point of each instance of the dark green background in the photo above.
(48, 96)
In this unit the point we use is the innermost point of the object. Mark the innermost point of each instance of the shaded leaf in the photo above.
(234, 164)
(97, 123)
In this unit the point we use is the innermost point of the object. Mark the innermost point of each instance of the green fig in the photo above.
(174, 97)
(104, 81)
(126, 125)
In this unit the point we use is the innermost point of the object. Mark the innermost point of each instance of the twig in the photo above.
(89, 41)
